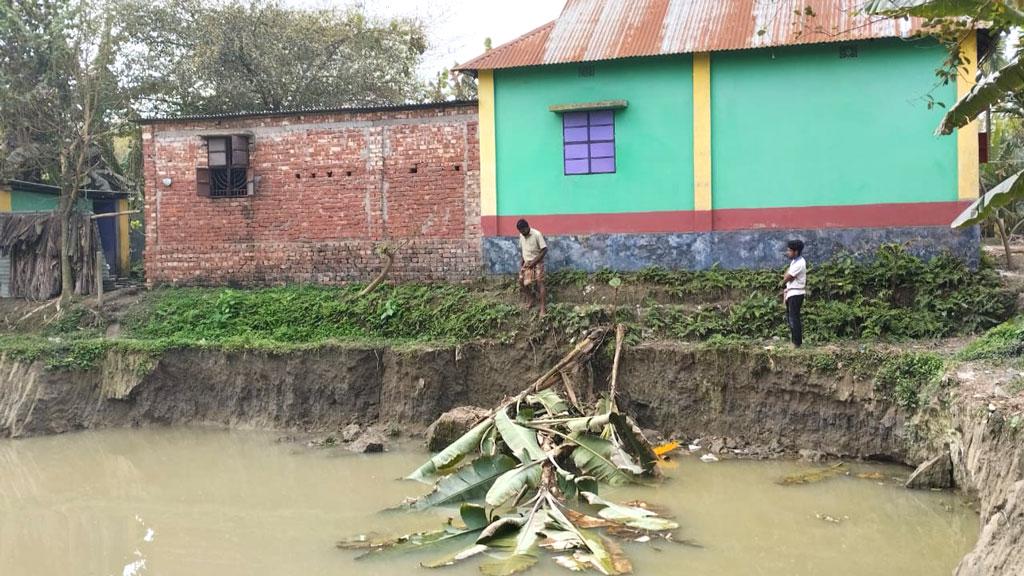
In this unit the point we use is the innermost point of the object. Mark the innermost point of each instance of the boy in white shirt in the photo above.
(795, 282)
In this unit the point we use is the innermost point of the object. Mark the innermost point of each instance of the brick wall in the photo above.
(330, 189)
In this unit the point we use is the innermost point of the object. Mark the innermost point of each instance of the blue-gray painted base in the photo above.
(755, 249)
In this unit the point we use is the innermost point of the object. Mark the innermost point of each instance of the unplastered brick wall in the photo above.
(329, 190)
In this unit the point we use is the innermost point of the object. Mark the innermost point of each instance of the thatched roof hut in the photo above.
(30, 254)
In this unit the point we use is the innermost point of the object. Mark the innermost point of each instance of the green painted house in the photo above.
(686, 134)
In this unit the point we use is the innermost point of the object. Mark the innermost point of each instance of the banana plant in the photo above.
(527, 480)
(996, 15)
(1001, 90)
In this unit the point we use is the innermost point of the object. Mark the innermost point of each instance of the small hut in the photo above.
(30, 254)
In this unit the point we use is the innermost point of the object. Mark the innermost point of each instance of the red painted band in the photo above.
(792, 218)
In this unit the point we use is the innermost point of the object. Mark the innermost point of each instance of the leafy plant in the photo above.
(1003, 341)
(297, 314)
(521, 476)
(903, 376)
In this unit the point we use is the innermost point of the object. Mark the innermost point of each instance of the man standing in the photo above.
(795, 282)
(533, 249)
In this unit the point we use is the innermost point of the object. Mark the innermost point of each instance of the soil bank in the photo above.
(759, 400)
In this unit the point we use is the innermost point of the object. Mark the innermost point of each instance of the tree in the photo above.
(188, 56)
(450, 86)
(1001, 90)
(60, 101)
(1006, 160)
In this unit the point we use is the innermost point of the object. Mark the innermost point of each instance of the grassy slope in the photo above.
(894, 298)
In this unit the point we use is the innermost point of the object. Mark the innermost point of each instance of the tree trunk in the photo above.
(1001, 229)
(67, 245)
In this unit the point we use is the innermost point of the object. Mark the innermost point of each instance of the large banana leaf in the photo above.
(521, 441)
(468, 483)
(524, 555)
(502, 533)
(632, 516)
(598, 556)
(1000, 195)
(513, 564)
(552, 402)
(512, 483)
(475, 517)
(593, 456)
(983, 96)
(445, 460)
(370, 544)
(1000, 14)
(459, 556)
(634, 441)
(979, 9)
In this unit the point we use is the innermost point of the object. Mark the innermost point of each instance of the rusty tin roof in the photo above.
(592, 30)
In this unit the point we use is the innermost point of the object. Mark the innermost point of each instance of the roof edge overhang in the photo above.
(592, 31)
(307, 112)
(50, 189)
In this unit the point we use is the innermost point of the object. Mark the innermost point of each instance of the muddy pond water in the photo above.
(188, 502)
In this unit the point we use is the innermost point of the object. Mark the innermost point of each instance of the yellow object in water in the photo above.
(667, 448)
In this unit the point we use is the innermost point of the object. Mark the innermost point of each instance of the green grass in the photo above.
(894, 297)
(904, 377)
(310, 314)
(1003, 341)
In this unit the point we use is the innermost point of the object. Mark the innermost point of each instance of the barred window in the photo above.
(227, 171)
(589, 142)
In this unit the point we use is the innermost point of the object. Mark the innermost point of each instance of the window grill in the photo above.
(589, 142)
(227, 171)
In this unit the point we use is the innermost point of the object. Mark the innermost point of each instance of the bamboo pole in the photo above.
(620, 335)
(114, 214)
(99, 278)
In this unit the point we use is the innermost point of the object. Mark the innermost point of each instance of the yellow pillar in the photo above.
(702, 140)
(5, 200)
(967, 137)
(488, 159)
(123, 244)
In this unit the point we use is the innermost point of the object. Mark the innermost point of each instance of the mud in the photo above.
(987, 450)
(751, 398)
(755, 400)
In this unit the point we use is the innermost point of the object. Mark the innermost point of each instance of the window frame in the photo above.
(228, 177)
(589, 142)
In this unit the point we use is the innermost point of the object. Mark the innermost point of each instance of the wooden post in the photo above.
(99, 278)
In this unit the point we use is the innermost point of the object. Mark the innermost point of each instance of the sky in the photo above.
(457, 28)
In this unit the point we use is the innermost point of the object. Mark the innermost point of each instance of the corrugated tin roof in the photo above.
(310, 111)
(592, 30)
(39, 187)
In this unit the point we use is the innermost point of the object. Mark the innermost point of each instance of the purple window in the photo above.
(589, 142)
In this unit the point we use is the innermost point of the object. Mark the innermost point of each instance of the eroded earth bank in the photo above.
(755, 401)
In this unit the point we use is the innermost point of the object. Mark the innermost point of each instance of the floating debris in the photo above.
(521, 473)
(708, 458)
(665, 449)
(831, 519)
(813, 476)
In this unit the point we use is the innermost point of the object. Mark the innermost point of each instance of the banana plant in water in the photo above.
(526, 480)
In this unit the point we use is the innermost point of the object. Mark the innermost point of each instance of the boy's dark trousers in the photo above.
(796, 327)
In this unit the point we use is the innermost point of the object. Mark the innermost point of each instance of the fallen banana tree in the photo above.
(527, 479)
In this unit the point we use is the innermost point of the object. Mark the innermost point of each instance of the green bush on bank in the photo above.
(905, 376)
(297, 314)
(1003, 341)
(895, 296)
